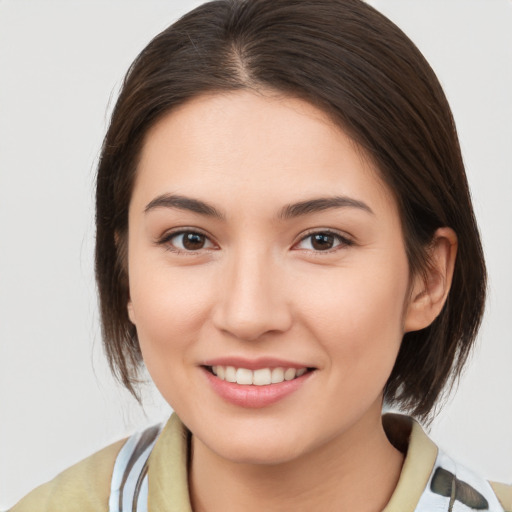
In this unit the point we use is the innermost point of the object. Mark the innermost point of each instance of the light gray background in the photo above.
(61, 63)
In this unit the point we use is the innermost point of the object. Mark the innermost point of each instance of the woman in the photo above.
(285, 237)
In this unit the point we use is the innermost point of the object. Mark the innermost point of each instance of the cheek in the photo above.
(170, 306)
(358, 317)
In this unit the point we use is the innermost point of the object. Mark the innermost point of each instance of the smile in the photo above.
(256, 387)
(259, 377)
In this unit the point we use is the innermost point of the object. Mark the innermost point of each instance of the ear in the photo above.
(121, 247)
(131, 313)
(429, 290)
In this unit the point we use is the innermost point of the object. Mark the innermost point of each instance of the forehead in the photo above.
(257, 145)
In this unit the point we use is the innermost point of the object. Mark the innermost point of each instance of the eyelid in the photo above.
(164, 240)
(344, 239)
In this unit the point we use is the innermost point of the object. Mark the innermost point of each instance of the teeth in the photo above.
(230, 374)
(277, 375)
(243, 376)
(260, 377)
(289, 373)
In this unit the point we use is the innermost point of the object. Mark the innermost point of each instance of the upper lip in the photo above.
(254, 364)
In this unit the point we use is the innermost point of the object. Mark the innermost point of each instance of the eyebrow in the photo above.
(287, 212)
(184, 203)
(322, 203)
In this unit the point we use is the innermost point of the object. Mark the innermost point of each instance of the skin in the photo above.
(258, 286)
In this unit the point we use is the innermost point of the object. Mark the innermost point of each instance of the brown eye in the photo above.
(323, 241)
(188, 241)
(193, 241)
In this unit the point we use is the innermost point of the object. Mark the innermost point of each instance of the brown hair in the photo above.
(357, 66)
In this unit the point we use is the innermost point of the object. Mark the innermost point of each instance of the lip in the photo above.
(251, 396)
(254, 364)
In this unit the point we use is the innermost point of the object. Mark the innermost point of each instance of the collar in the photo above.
(168, 465)
(406, 435)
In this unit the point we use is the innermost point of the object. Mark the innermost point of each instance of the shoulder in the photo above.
(463, 489)
(83, 487)
(432, 480)
(504, 494)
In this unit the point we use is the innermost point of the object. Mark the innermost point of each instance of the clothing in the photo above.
(155, 463)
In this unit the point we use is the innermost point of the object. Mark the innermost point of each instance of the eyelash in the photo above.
(343, 241)
(166, 241)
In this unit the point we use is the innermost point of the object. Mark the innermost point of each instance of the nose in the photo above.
(252, 300)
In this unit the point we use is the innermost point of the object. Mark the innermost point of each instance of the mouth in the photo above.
(258, 377)
(256, 383)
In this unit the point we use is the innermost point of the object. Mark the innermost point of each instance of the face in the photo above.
(269, 282)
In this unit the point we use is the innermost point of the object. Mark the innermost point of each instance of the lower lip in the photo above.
(252, 396)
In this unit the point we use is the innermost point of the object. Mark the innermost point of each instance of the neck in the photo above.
(358, 470)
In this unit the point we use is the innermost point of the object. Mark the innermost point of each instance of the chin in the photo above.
(258, 453)
(255, 447)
